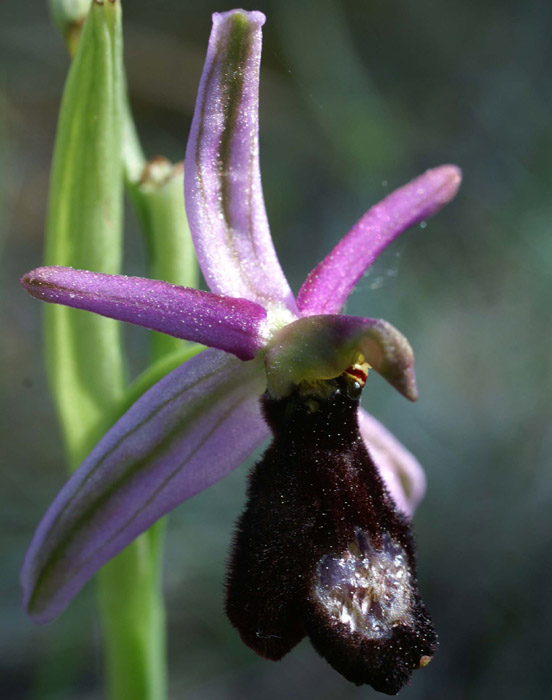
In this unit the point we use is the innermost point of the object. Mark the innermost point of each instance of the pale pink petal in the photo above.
(184, 434)
(401, 471)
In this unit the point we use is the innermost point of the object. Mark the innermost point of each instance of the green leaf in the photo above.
(84, 229)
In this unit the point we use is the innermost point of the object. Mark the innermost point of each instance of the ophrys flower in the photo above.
(308, 363)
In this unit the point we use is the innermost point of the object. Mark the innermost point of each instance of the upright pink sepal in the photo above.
(224, 198)
(328, 286)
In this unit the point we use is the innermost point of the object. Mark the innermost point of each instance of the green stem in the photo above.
(130, 588)
(130, 591)
(130, 594)
(133, 618)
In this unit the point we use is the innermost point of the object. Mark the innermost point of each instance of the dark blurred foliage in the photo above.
(357, 97)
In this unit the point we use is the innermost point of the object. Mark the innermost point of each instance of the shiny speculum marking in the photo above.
(366, 589)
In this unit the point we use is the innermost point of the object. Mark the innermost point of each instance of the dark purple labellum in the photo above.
(321, 550)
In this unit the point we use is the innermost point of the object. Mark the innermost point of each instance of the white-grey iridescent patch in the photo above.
(367, 589)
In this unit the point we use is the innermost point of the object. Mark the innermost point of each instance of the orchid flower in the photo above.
(329, 464)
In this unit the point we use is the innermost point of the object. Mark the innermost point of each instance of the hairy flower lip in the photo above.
(321, 549)
(249, 303)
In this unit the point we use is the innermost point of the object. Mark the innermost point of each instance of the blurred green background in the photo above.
(356, 98)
